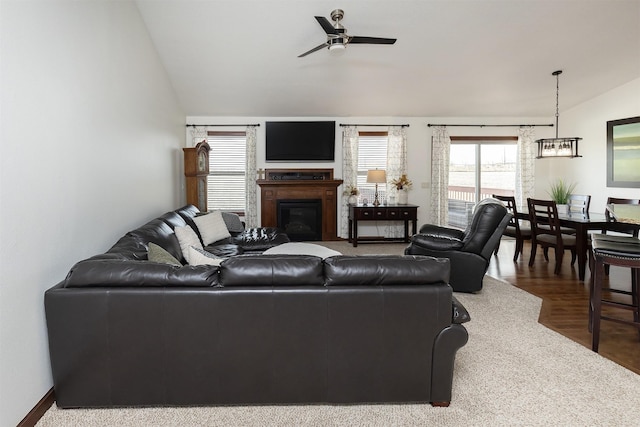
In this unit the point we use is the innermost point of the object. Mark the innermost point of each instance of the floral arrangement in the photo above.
(351, 191)
(402, 183)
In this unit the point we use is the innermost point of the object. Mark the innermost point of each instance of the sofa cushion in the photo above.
(202, 257)
(382, 270)
(224, 250)
(173, 219)
(233, 222)
(109, 272)
(129, 247)
(211, 227)
(189, 212)
(187, 238)
(158, 254)
(158, 232)
(272, 270)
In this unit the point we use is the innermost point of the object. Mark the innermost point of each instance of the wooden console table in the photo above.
(404, 213)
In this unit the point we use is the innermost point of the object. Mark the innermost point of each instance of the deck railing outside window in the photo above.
(462, 201)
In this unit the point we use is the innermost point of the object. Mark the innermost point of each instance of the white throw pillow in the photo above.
(187, 238)
(202, 257)
(211, 227)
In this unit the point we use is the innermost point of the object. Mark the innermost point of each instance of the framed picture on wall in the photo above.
(623, 152)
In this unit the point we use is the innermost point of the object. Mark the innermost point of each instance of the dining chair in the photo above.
(579, 203)
(545, 231)
(620, 251)
(620, 227)
(515, 228)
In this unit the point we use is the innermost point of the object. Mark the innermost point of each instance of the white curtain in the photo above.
(396, 166)
(349, 172)
(440, 151)
(525, 166)
(251, 187)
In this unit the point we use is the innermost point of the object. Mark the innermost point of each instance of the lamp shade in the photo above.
(376, 176)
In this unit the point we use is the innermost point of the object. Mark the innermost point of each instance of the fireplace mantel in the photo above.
(287, 184)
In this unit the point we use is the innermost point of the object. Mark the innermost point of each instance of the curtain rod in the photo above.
(223, 125)
(494, 126)
(352, 124)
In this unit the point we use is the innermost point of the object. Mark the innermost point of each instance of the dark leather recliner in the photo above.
(469, 250)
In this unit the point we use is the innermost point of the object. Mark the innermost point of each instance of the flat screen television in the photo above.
(300, 141)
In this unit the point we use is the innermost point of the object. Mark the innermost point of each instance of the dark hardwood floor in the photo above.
(566, 299)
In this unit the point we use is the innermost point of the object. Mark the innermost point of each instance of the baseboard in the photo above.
(38, 411)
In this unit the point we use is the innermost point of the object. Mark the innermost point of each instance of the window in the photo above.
(227, 165)
(372, 154)
(478, 168)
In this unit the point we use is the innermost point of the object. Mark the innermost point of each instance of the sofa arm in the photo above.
(437, 230)
(438, 242)
(460, 314)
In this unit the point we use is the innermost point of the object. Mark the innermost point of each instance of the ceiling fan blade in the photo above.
(371, 40)
(313, 50)
(326, 25)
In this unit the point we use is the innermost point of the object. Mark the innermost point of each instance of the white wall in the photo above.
(418, 145)
(589, 121)
(91, 147)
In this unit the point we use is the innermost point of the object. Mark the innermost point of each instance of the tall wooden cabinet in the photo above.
(196, 170)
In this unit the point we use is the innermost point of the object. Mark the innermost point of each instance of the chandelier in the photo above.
(558, 147)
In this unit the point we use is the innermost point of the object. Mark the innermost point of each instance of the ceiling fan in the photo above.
(337, 37)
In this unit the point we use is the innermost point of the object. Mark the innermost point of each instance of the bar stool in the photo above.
(621, 251)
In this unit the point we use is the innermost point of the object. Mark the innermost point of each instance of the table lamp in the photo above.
(376, 176)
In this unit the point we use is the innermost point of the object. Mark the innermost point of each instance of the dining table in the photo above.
(583, 222)
(628, 214)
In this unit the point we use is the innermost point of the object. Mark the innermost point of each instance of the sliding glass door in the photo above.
(478, 168)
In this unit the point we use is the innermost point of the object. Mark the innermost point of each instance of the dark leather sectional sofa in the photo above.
(258, 329)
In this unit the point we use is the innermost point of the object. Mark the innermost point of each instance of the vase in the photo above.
(403, 197)
(353, 199)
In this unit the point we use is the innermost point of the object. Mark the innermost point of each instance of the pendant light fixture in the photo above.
(558, 147)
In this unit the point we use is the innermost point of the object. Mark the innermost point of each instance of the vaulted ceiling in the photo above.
(452, 58)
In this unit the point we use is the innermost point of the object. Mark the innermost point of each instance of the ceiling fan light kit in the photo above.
(337, 37)
(557, 147)
(337, 47)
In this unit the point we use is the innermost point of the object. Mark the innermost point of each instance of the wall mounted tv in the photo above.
(300, 141)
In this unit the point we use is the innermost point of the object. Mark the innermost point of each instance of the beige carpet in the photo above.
(513, 372)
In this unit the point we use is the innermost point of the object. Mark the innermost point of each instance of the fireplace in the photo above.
(301, 219)
(301, 185)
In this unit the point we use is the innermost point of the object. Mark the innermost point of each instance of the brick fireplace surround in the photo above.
(299, 184)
